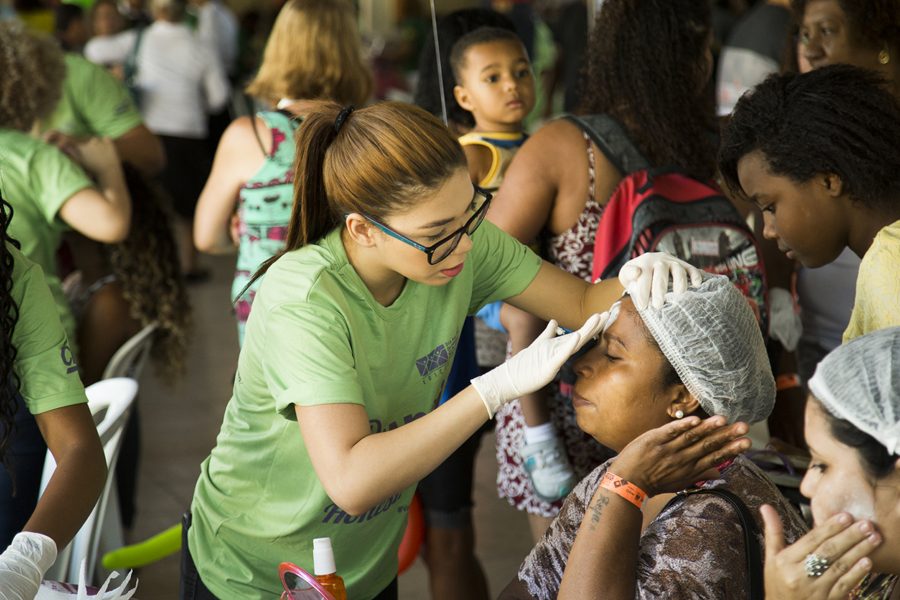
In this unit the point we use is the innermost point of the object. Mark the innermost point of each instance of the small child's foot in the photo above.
(548, 468)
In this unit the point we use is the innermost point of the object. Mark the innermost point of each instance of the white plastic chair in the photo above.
(130, 358)
(110, 402)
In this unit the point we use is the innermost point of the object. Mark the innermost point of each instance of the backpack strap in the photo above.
(611, 137)
(752, 551)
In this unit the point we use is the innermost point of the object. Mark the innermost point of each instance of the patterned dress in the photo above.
(693, 549)
(264, 208)
(572, 251)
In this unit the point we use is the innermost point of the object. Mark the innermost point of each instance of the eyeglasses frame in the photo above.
(429, 250)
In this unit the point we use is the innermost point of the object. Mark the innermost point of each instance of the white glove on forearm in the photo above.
(646, 277)
(535, 366)
(785, 324)
(23, 564)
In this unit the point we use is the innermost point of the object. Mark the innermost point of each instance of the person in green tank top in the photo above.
(313, 52)
(353, 331)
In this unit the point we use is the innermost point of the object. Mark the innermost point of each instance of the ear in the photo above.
(462, 97)
(681, 399)
(832, 184)
(360, 230)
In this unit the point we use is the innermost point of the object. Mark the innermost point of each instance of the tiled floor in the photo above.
(179, 425)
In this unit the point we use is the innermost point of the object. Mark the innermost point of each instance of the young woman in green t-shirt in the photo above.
(38, 375)
(352, 334)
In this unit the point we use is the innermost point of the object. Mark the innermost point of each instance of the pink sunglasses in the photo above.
(299, 584)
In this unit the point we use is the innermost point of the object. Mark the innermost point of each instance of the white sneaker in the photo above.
(548, 468)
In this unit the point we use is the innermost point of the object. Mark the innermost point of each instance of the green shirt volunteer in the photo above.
(37, 179)
(93, 103)
(45, 365)
(317, 336)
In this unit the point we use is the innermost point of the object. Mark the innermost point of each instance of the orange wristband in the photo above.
(624, 488)
(787, 381)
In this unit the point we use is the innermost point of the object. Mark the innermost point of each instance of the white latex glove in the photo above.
(535, 366)
(785, 324)
(23, 564)
(646, 278)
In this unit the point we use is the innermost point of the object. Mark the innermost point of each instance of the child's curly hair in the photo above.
(33, 70)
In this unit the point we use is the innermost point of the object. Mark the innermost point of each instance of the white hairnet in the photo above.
(712, 339)
(859, 382)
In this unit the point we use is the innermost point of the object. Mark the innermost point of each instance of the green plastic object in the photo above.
(144, 553)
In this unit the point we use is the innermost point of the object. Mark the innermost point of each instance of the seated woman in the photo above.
(700, 355)
(853, 483)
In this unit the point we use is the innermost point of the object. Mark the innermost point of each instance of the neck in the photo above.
(498, 127)
(864, 232)
(383, 283)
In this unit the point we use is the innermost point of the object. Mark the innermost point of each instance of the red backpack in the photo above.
(666, 210)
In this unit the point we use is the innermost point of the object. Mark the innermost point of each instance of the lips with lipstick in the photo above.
(453, 271)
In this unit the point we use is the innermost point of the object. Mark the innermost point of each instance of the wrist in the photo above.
(624, 488)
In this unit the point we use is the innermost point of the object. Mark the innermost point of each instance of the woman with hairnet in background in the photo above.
(672, 390)
(853, 481)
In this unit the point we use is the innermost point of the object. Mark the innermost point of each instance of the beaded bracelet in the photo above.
(624, 488)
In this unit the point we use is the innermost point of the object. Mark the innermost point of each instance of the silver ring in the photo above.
(815, 565)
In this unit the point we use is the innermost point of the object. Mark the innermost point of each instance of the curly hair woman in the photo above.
(559, 181)
(39, 378)
(120, 289)
(817, 153)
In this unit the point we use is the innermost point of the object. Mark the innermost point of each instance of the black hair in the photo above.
(872, 22)
(646, 66)
(837, 119)
(65, 15)
(873, 456)
(482, 35)
(450, 29)
(9, 314)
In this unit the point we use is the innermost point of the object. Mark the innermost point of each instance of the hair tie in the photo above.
(342, 116)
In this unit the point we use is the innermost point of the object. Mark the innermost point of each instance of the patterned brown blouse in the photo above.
(693, 549)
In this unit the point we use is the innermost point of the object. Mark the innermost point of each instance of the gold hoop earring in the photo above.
(884, 57)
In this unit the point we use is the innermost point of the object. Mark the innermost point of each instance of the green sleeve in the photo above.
(54, 178)
(308, 358)
(96, 102)
(504, 267)
(44, 364)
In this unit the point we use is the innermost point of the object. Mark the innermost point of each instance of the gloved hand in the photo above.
(23, 564)
(785, 324)
(646, 278)
(535, 366)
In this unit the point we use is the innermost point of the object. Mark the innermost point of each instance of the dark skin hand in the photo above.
(603, 560)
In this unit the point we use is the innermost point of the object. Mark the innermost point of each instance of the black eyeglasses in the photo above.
(445, 246)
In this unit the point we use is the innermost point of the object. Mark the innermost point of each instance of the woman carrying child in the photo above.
(559, 181)
(351, 337)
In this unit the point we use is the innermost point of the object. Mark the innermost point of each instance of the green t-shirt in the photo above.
(37, 179)
(317, 336)
(93, 103)
(45, 365)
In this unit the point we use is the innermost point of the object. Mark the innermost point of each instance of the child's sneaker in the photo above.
(548, 468)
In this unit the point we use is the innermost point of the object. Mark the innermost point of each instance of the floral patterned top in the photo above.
(693, 549)
(264, 208)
